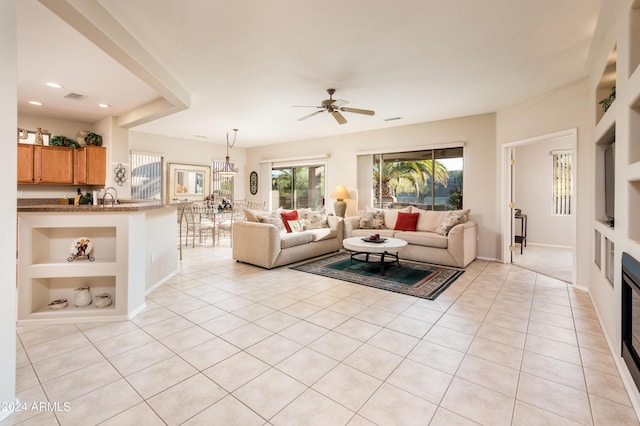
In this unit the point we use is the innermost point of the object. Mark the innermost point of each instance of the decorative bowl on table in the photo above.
(375, 238)
(58, 304)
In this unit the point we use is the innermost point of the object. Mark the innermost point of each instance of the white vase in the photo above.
(103, 300)
(83, 298)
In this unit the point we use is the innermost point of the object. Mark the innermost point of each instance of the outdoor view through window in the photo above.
(298, 187)
(428, 179)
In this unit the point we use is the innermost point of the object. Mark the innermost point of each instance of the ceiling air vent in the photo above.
(75, 96)
(392, 119)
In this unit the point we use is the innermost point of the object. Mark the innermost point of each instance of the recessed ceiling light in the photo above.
(104, 105)
(54, 85)
(35, 103)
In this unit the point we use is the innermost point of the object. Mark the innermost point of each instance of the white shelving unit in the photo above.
(619, 65)
(45, 274)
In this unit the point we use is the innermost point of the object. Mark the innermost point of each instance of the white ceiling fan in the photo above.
(334, 107)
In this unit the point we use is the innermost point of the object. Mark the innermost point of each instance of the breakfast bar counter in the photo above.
(130, 250)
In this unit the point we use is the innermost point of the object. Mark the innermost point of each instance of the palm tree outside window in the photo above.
(429, 179)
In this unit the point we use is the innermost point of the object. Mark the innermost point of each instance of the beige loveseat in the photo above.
(260, 240)
(457, 246)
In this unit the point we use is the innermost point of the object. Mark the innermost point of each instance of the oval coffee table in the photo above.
(390, 247)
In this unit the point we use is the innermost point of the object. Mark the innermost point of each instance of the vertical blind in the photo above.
(146, 176)
(562, 184)
(222, 187)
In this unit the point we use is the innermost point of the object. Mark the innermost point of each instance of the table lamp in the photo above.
(340, 193)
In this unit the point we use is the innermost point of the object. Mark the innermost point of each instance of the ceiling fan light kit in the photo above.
(335, 107)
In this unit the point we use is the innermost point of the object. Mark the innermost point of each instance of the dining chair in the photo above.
(236, 214)
(256, 205)
(198, 223)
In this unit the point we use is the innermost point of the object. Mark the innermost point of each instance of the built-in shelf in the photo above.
(610, 250)
(634, 132)
(606, 128)
(46, 290)
(632, 209)
(634, 37)
(47, 271)
(605, 176)
(597, 255)
(606, 85)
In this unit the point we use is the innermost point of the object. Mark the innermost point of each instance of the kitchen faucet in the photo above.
(114, 195)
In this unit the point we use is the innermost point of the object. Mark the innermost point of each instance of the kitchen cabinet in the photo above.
(90, 165)
(25, 163)
(60, 165)
(53, 164)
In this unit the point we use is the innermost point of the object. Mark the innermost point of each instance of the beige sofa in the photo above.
(458, 247)
(265, 244)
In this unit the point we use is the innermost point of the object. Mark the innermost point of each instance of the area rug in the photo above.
(415, 279)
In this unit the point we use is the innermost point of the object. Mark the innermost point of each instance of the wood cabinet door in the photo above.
(53, 164)
(25, 163)
(90, 165)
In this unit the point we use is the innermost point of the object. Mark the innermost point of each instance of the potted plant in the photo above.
(93, 139)
(63, 141)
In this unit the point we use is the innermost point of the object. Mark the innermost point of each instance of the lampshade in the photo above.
(340, 192)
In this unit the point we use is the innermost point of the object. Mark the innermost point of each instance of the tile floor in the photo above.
(229, 344)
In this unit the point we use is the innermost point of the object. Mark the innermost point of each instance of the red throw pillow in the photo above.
(287, 216)
(406, 221)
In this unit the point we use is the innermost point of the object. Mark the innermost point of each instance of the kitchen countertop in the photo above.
(124, 206)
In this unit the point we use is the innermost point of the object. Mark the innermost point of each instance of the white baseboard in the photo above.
(8, 409)
(490, 259)
(160, 282)
(548, 245)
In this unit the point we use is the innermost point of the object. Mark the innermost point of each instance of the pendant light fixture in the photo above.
(227, 170)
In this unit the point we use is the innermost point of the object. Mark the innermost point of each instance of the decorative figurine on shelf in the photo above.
(58, 304)
(82, 247)
(83, 298)
(39, 140)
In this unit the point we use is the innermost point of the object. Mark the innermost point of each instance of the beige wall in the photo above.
(193, 152)
(477, 132)
(533, 183)
(561, 109)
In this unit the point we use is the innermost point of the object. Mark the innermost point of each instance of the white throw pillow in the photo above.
(297, 225)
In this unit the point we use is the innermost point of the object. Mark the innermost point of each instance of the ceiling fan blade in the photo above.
(310, 115)
(358, 111)
(339, 117)
(340, 103)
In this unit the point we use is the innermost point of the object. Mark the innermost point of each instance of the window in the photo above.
(430, 179)
(222, 187)
(146, 176)
(562, 185)
(298, 186)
